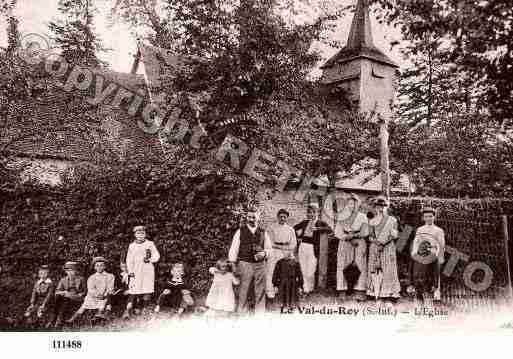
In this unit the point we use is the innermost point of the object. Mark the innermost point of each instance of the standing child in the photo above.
(69, 293)
(176, 293)
(41, 298)
(140, 258)
(427, 252)
(221, 298)
(100, 286)
(289, 281)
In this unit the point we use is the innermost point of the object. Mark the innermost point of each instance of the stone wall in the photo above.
(295, 203)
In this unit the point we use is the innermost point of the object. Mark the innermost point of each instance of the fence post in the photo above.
(323, 261)
(506, 249)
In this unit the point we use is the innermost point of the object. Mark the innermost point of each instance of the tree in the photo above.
(75, 34)
(449, 132)
(478, 38)
(256, 74)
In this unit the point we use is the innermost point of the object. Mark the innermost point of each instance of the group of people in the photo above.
(128, 292)
(277, 264)
(368, 242)
(283, 259)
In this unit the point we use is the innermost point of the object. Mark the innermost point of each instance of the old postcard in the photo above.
(253, 166)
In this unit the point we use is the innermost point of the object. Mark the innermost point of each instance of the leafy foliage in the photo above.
(453, 133)
(75, 34)
(477, 36)
(254, 77)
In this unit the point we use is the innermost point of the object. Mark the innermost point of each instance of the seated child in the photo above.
(288, 279)
(69, 293)
(176, 294)
(119, 299)
(221, 298)
(100, 286)
(42, 296)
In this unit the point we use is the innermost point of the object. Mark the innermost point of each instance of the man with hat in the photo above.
(249, 249)
(428, 255)
(351, 229)
(140, 259)
(69, 293)
(283, 241)
(308, 234)
(100, 287)
(382, 253)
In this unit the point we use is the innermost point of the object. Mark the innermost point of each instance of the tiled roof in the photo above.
(113, 133)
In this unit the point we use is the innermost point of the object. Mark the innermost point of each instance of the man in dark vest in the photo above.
(249, 250)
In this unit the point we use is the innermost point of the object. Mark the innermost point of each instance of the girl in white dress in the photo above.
(140, 260)
(221, 298)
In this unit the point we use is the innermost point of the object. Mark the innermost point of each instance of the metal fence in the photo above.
(483, 241)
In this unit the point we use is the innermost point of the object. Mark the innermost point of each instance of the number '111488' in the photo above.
(66, 344)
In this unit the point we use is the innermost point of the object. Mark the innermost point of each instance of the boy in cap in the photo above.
(283, 241)
(69, 293)
(100, 286)
(42, 295)
(428, 256)
(140, 259)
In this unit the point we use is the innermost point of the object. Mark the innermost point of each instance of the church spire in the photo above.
(360, 34)
(360, 43)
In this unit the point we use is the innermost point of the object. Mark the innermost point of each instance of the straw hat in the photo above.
(70, 265)
(98, 259)
(139, 228)
(428, 210)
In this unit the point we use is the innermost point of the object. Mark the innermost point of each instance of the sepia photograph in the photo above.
(319, 166)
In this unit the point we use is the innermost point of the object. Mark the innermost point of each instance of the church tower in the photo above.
(360, 68)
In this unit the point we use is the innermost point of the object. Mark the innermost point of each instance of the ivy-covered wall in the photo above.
(189, 219)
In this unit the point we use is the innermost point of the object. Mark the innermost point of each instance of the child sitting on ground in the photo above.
(176, 294)
(221, 298)
(100, 286)
(119, 299)
(289, 281)
(41, 298)
(69, 293)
